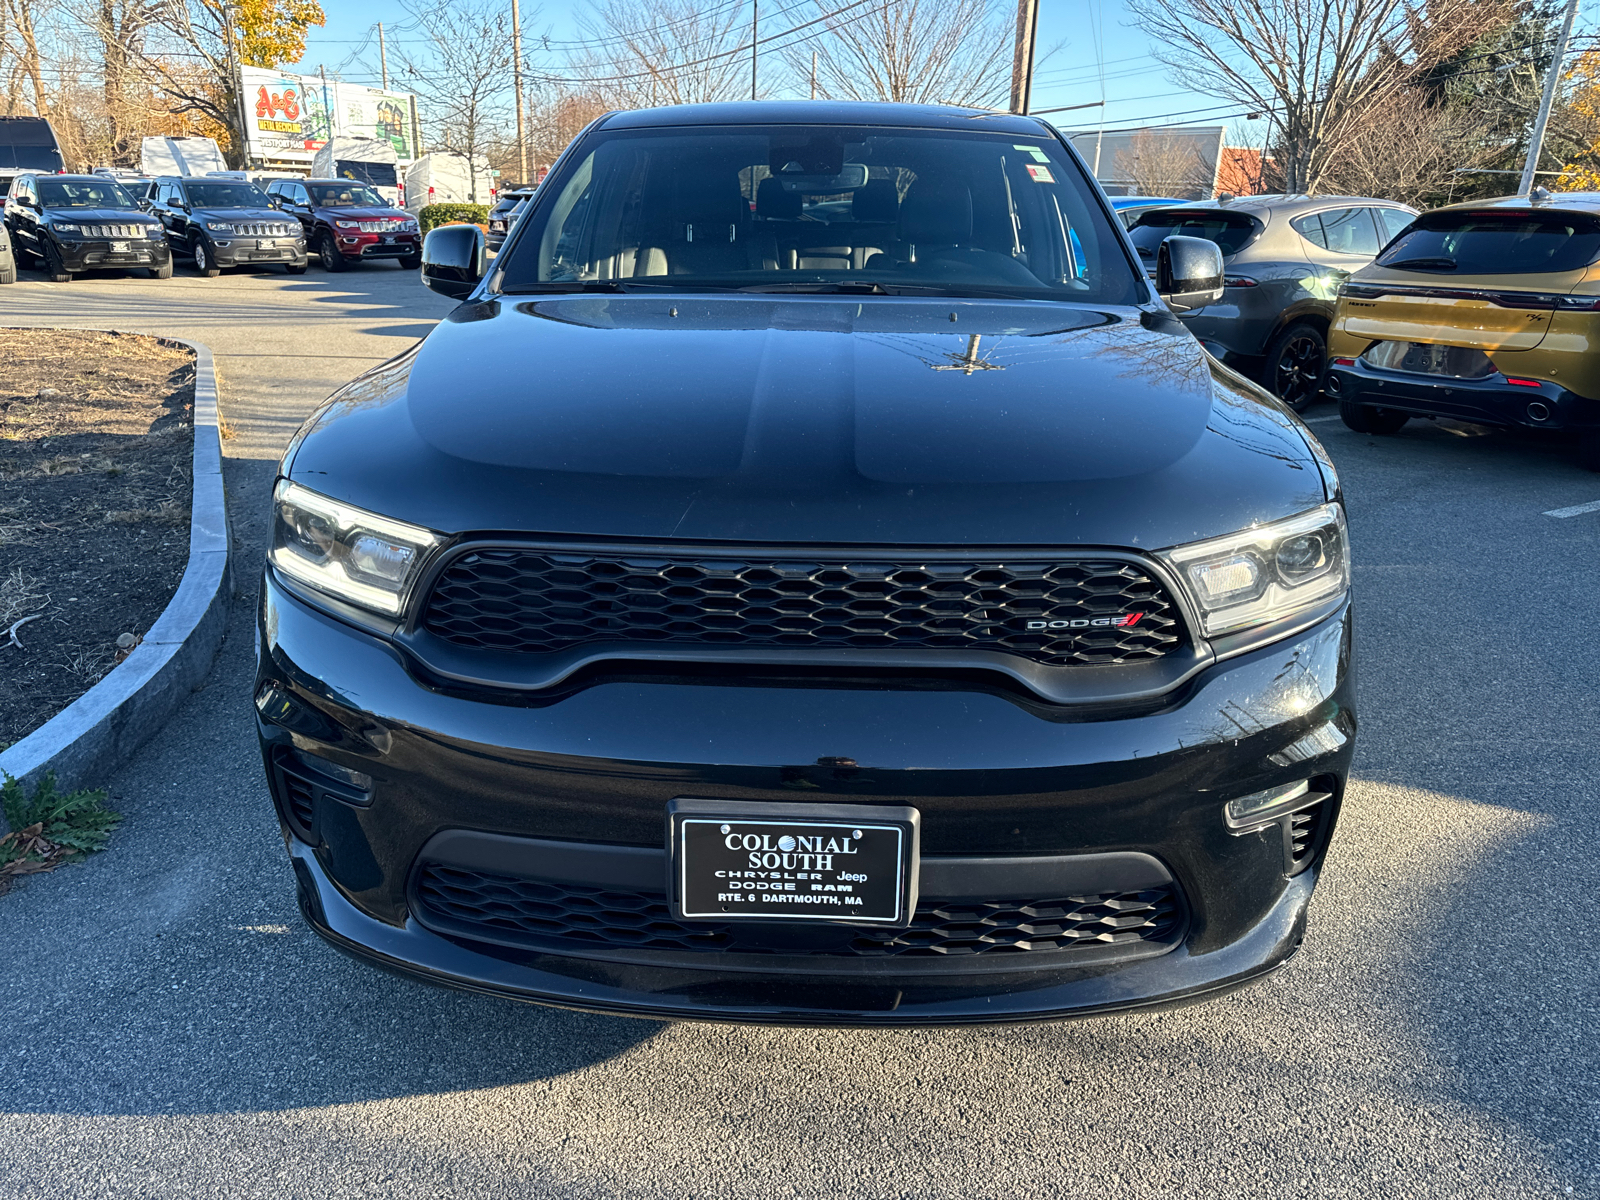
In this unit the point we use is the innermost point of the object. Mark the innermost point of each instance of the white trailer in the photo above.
(440, 178)
(180, 156)
(365, 160)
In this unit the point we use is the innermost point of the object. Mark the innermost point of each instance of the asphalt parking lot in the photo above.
(170, 1028)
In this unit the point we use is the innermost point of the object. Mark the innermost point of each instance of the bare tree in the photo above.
(910, 51)
(642, 53)
(1313, 67)
(1164, 164)
(465, 80)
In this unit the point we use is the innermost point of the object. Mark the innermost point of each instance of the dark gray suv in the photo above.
(1285, 257)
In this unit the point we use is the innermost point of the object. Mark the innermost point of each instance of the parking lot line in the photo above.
(1577, 510)
(1319, 420)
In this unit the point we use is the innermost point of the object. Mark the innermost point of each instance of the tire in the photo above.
(54, 268)
(204, 260)
(1296, 365)
(328, 252)
(164, 271)
(1365, 418)
(412, 263)
(294, 268)
(9, 274)
(1589, 450)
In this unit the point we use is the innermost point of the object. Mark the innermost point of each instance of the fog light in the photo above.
(1262, 808)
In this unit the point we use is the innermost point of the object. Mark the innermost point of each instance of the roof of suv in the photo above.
(1585, 202)
(826, 112)
(1285, 203)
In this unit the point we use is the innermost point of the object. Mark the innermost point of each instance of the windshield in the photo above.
(824, 208)
(1495, 243)
(75, 193)
(1230, 231)
(227, 195)
(375, 173)
(345, 195)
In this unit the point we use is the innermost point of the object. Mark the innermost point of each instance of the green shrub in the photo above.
(48, 829)
(453, 214)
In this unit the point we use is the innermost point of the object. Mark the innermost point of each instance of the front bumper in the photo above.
(1003, 784)
(1488, 401)
(248, 251)
(375, 245)
(114, 255)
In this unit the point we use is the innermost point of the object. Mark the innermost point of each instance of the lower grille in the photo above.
(1306, 832)
(298, 793)
(1055, 611)
(549, 915)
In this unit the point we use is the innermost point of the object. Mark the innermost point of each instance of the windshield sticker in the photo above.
(1040, 174)
(1038, 154)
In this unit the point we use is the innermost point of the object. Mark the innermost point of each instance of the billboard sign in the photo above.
(290, 117)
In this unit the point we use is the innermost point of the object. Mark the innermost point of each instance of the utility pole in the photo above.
(383, 57)
(755, 26)
(1551, 80)
(1022, 58)
(327, 109)
(516, 82)
(813, 74)
(237, 83)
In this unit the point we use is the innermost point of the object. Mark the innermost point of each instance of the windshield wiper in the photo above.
(849, 287)
(583, 285)
(1436, 263)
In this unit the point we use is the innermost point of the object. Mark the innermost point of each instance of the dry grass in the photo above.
(19, 597)
(167, 512)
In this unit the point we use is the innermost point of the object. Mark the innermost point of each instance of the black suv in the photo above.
(226, 223)
(812, 578)
(507, 207)
(347, 222)
(67, 224)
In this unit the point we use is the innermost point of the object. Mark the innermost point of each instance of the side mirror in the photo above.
(1188, 272)
(454, 259)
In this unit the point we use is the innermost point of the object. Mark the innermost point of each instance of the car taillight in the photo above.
(1343, 362)
(1578, 303)
(1514, 382)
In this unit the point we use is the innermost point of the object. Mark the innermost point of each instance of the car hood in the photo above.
(365, 214)
(811, 420)
(242, 214)
(124, 216)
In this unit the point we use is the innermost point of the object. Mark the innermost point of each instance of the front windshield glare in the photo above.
(352, 195)
(66, 193)
(821, 208)
(227, 195)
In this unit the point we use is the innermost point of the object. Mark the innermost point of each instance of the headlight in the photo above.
(348, 224)
(353, 555)
(1267, 573)
(154, 232)
(66, 227)
(219, 226)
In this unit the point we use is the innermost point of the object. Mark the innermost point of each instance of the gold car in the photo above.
(1486, 312)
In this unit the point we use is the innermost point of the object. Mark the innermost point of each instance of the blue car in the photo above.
(1130, 208)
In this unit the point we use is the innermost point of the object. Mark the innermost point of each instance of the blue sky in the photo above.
(1093, 36)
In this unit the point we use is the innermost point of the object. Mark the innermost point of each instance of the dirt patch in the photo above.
(96, 448)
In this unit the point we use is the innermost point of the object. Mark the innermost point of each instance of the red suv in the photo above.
(348, 222)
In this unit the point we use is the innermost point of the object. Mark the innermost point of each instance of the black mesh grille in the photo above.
(542, 913)
(533, 601)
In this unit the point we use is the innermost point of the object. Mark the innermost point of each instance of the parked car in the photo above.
(709, 620)
(1130, 208)
(8, 260)
(504, 214)
(67, 224)
(227, 223)
(347, 223)
(1285, 258)
(1486, 312)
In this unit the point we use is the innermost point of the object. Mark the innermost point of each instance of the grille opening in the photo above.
(536, 600)
(551, 915)
(1304, 834)
(298, 793)
(304, 781)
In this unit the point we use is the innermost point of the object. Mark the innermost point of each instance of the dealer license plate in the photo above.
(780, 862)
(119, 247)
(388, 241)
(266, 244)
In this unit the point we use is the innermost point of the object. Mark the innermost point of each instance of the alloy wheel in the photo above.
(1297, 375)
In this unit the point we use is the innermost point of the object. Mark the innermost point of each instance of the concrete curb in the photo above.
(86, 741)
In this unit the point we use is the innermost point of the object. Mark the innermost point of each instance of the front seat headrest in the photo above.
(936, 212)
(776, 202)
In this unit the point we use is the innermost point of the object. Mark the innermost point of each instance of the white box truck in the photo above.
(440, 178)
(180, 156)
(365, 160)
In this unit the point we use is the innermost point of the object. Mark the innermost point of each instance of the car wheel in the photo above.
(328, 252)
(204, 261)
(1589, 449)
(164, 271)
(53, 266)
(1297, 360)
(1365, 418)
(411, 262)
(9, 274)
(295, 268)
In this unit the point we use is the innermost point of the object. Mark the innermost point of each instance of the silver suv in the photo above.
(1285, 257)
